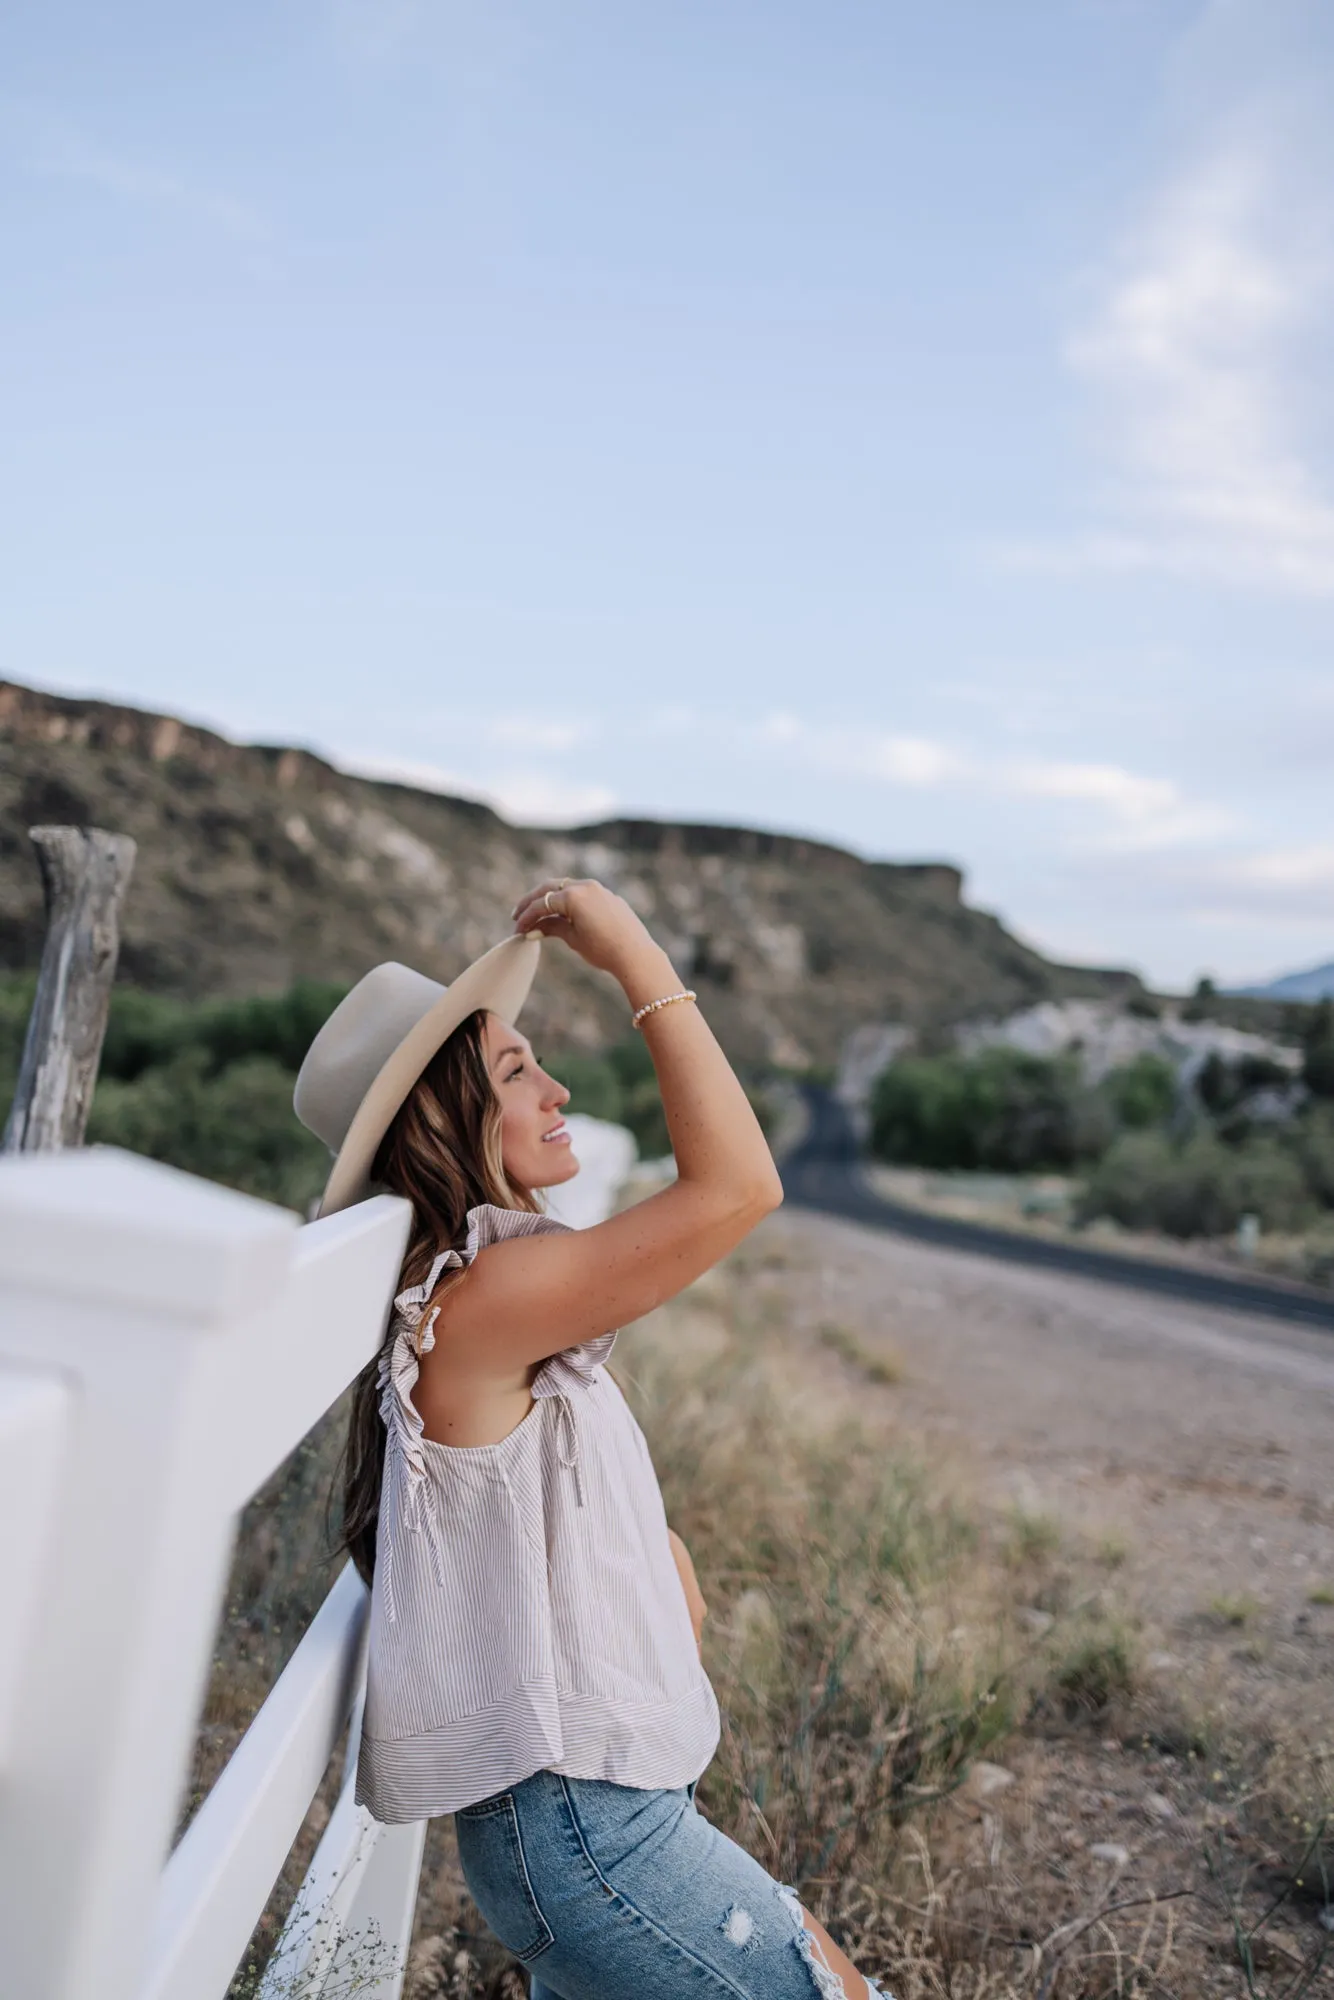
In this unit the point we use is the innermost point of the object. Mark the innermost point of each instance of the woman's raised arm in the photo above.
(531, 1296)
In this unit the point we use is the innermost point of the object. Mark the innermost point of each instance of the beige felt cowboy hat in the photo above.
(376, 1043)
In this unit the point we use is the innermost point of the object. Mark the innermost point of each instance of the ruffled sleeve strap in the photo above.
(400, 1365)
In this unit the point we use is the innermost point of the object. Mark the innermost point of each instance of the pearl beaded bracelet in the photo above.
(652, 1006)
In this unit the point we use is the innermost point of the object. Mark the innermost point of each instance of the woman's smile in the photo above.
(559, 1135)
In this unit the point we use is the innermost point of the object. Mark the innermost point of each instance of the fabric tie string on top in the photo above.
(566, 1423)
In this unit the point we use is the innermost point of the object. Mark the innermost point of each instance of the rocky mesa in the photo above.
(258, 865)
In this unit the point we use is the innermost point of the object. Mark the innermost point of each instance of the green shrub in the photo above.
(922, 1111)
(1272, 1184)
(235, 1125)
(1313, 1142)
(1199, 1188)
(1318, 1065)
(1222, 1086)
(16, 991)
(143, 1030)
(147, 1029)
(1000, 1109)
(1145, 1182)
(1141, 1093)
(279, 1025)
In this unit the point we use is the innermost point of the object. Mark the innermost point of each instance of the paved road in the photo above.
(824, 1173)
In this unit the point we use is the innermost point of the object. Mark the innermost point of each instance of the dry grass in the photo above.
(879, 1365)
(1234, 1608)
(872, 1635)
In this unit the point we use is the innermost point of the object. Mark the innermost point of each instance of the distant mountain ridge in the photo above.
(1317, 984)
(259, 864)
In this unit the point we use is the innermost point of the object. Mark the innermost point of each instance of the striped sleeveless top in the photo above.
(526, 1612)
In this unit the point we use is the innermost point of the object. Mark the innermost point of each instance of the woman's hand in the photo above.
(595, 922)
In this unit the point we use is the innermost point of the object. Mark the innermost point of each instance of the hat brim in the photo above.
(498, 981)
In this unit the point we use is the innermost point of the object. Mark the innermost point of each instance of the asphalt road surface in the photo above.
(824, 1172)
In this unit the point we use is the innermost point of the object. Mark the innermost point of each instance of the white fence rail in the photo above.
(164, 1344)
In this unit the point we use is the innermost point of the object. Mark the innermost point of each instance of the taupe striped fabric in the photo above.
(526, 1613)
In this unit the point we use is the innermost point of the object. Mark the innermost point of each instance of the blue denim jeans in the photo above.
(608, 1892)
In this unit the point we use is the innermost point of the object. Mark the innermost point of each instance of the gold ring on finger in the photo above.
(547, 900)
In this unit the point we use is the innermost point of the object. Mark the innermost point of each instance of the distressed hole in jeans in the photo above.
(739, 1928)
(827, 1982)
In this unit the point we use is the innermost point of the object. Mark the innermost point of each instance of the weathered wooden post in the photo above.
(85, 873)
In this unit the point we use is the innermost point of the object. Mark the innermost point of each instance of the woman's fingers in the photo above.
(545, 904)
(597, 924)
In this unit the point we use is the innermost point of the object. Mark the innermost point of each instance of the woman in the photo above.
(534, 1650)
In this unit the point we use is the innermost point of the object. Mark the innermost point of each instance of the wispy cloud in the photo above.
(1279, 883)
(1194, 346)
(1189, 348)
(53, 148)
(1146, 812)
(1308, 871)
(1131, 809)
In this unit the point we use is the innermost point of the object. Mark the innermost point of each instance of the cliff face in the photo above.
(257, 865)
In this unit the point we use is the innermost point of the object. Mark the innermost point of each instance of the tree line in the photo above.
(1151, 1151)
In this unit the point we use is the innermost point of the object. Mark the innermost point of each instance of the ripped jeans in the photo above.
(608, 1892)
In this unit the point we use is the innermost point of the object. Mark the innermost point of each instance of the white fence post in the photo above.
(133, 1282)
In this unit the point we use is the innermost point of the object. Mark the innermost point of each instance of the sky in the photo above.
(908, 425)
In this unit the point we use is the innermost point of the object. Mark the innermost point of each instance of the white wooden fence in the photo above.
(164, 1343)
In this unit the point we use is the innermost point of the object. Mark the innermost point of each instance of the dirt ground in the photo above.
(1194, 1447)
(1184, 1458)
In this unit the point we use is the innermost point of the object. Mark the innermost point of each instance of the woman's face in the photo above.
(534, 1143)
